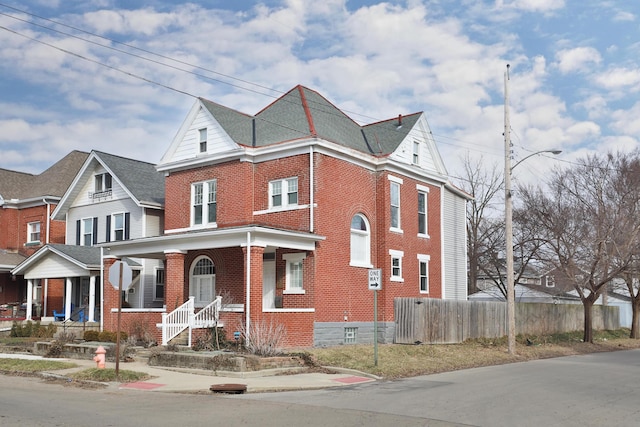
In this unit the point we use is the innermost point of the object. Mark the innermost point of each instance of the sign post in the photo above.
(123, 274)
(375, 284)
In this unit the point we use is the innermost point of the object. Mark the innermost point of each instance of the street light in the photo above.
(508, 215)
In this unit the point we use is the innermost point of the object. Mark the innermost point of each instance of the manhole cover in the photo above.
(229, 388)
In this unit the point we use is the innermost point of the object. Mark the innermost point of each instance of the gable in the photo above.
(186, 144)
(54, 266)
(130, 180)
(419, 136)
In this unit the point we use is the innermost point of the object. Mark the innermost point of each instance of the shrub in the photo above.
(57, 347)
(264, 339)
(91, 335)
(30, 329)
(110, 336)
(140, 334)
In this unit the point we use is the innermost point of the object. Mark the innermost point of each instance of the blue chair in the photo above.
(60, 316)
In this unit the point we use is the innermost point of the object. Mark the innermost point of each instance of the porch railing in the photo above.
(177, 321)
(208, 317)
(184, 317)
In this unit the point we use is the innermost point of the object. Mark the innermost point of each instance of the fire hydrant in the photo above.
(100, 357)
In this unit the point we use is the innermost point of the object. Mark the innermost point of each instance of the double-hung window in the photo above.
(394, 201)
(423, 230)
(202, 143)
(396, 265)
(158, 293)
(423, 273)
(204, 203)
(294, 283)
(360, 242)
(416, 153)
(283, 193)
(33, 232)
(117, 226)
(103, 182)
(88, 231)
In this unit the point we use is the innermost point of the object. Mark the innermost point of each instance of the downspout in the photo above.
(101, 289)
(311, 198)
(46, 280)
(247, 310)
(48, 218)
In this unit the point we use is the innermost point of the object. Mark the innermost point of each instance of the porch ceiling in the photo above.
(156, 247)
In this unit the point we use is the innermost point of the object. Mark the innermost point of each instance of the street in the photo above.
(591, 390)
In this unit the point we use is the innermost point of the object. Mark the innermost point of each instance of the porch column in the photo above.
(109, 319)
(175, 293)
(253, 278)
(29, 298)
(92, 298)
(67, 298)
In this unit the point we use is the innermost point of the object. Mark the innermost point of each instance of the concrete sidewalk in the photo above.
(199, 381)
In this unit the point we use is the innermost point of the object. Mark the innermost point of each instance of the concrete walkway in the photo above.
(200, 381)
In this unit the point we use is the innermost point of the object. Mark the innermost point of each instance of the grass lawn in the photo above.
(397, 361)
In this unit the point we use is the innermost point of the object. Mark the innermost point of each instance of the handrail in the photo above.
(185, 317)
(208, 317)
(177, 321)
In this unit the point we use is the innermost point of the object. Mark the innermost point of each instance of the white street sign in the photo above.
(114, 275)
(375, 279)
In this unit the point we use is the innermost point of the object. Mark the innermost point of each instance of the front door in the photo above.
(268, 284)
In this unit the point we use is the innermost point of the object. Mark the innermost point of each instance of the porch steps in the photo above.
(182, 339)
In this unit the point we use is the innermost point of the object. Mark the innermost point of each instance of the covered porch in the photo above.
(256, 273)
(62, 283)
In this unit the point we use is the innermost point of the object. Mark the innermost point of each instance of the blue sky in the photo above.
(575, 71)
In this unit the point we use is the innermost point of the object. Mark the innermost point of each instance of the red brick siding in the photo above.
(233, 198)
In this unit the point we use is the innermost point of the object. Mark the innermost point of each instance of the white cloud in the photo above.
(619, 78)
(577, 59)
(624, 16)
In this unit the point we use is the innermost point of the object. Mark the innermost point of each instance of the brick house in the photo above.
(111, 198)
(285, 212)
(26, 202)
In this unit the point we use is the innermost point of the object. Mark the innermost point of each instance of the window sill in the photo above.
(293, 292)
(203, 226)
(397, 279)
(34, 243)
(360, 264)
(423, 236)
(396, 230)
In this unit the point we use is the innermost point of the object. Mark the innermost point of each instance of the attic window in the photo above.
(203, 140)
(103, 182)
(416, 153)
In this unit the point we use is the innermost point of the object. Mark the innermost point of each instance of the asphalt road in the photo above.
(590, 390)
(600, 389)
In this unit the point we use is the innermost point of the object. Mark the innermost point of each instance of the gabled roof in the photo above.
(304, 113)
(141, 180)
(86, 257)
(53, 182)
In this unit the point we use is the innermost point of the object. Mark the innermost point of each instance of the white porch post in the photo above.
(92, 298)
(67, 299)
(29, 298)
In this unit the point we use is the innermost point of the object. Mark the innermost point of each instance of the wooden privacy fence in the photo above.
(435, 321)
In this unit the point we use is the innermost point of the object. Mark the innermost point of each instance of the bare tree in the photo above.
(483, 185)
(628, 185)
(584, 221)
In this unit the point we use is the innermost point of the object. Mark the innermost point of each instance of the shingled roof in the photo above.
(304, 113)
(140, 178)
(52, 182)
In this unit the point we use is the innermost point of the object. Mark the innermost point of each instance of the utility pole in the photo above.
(508, 224)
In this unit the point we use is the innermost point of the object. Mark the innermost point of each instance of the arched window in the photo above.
(202, 281)
(360, 241)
